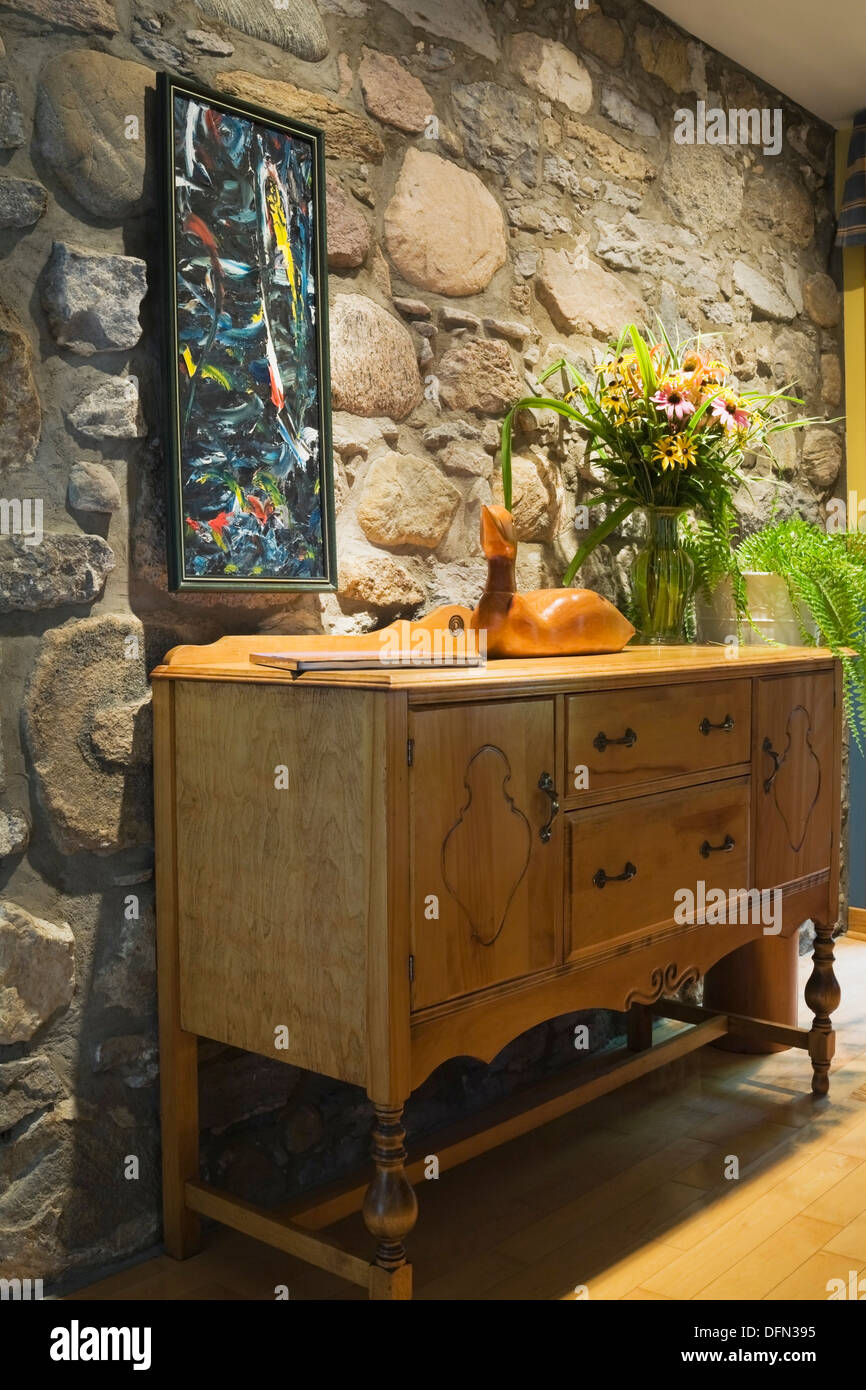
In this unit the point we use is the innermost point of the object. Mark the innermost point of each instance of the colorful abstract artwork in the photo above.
(251, 493)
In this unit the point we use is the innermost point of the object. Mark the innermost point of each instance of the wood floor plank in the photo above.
(775, 1259)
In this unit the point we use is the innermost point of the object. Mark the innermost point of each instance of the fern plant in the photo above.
(824, 573)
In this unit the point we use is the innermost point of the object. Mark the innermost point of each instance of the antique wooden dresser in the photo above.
(366, 873)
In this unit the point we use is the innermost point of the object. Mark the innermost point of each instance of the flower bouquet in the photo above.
(665, 435)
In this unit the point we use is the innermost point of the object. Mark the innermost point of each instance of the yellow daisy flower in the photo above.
(687, 451)
(667, 452)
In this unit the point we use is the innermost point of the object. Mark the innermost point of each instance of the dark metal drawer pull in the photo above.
(545, 783)
(767, 747)
(600, 878)
(724, 848)
(601, 740)
(726, 725)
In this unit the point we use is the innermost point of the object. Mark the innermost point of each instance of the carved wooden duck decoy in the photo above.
(542, 622)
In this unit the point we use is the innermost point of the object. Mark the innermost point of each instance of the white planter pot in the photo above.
(773, 614)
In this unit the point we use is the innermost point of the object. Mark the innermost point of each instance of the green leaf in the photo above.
(598, 535)
(647, 370)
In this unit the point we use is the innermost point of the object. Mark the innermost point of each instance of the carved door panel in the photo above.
(793, 769)
(486, 855)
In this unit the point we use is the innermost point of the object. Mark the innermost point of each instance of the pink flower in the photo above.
(730, 413)
(672, 399)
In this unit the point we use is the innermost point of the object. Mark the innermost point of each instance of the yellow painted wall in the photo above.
(854, 296)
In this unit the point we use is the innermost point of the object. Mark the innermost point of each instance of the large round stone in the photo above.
(83, 124)
(703, 185)
(583, 297)
(294, 25)
(348, 229)
(443, 229)
(20, 411)
(822, 458)
(377, 580)
(392, 94)
(822, 299)
(347, 136)
(94, 800)
(406, 501)
(373, 366)
(479, 375)
(92, 301)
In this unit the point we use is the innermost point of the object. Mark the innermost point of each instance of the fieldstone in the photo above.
(22, 202)
(352, 435)
(553, 70)
(293, 25)
(377, 580)
(511, 329)
(623, 112)
(537, 497)
(93, 488)
(793, 360)
(27, 1085)
(122, 735)
(466, 459)
(348, 229)
(601, 35)
(12, 132)
(84, 102)
(768, 301)
(347, 136)
(831, 378)
(61, 569)
(479, 376)
(111, 411)
(583, 297)
(92, 300)
(464, 21)
(373, 366)
(526, 263)
(162, 53)
(406, 501)
(446, 432)
(392, 94)
(781, 206)
(703, 186)
(37, 971)
(412, 308)
(822, 299)
(665, 54)
(760, 497)
(20, 409)
(81, 16)
(443, 229)
(822, 458)
(499, 129)
(635, 243)
(83, 669)
(451, 318)
(613, 157)
(14, 833)
(206, 41)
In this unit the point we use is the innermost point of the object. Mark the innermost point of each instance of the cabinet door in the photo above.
(794, 745)
(486, 883)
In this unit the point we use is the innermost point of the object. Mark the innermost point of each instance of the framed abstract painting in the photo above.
(250, 487)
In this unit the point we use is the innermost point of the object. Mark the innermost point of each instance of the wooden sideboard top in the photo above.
(228, 659)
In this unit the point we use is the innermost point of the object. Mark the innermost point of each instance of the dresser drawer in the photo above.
(627, 861)
(619, 738)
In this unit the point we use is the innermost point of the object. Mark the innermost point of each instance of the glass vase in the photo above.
(662, 579)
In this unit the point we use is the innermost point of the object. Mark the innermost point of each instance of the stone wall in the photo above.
(503, 182)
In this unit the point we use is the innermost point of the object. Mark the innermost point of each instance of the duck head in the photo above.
(497, 533)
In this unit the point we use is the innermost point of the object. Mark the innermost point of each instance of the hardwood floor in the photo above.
(630, 1198)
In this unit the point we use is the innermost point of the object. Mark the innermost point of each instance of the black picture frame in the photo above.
(324, 580)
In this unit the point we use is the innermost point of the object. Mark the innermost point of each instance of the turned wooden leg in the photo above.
(639, 1027)
(390, 1207)
(822, 996)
